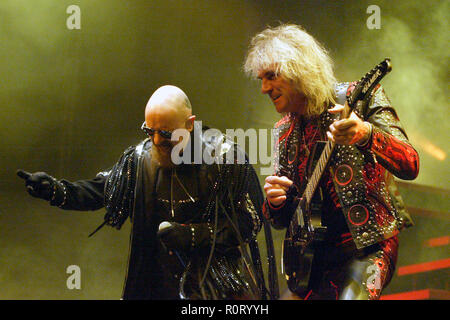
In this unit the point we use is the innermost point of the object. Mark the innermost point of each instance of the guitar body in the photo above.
(299, 246)
(298, 261)
(298, 258)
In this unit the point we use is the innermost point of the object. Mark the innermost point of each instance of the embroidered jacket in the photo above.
(358, 183)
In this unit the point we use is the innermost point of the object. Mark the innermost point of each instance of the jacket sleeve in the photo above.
(89, 194)
(81, 195)
(280, 216)
(388, 141)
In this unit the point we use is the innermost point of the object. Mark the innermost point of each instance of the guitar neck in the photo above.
(318, 171)
(301, 217)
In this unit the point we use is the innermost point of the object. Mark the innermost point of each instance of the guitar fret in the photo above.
(315, 177)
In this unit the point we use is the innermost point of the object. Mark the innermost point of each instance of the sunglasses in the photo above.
(151, 132)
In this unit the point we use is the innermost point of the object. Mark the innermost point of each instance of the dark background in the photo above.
(72, 100)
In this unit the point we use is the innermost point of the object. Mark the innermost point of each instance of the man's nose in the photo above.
(157, 139)
(266, 86)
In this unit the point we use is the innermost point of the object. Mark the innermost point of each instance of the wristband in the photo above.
(365, 143)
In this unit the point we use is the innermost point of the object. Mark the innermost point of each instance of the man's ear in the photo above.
(190, 123)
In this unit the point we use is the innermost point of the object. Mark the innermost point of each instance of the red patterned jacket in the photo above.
(359, 193)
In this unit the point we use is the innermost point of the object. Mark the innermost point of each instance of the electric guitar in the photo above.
(305, 232)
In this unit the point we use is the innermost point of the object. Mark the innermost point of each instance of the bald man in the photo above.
(167, 110)
(190, 222)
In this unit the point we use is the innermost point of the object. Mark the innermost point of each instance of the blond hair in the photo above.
(291, 52)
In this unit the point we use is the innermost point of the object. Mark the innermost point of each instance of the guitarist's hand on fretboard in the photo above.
(276, 189)
(349, 130)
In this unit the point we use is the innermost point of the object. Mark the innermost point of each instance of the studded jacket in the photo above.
(232, 200)
(358, 186)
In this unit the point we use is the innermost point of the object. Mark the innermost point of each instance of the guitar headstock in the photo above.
(365, 86)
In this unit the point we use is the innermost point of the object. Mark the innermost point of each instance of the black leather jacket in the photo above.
(235, 198)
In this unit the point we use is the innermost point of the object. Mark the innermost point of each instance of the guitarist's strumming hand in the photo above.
(351, 130)
(276, 188)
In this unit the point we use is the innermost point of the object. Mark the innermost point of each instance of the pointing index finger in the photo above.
(23, 174)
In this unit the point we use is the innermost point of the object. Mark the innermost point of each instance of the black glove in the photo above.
(175, 236)
(39, 184)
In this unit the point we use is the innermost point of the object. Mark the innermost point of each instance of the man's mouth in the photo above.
(164, 148)
(275, 98)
